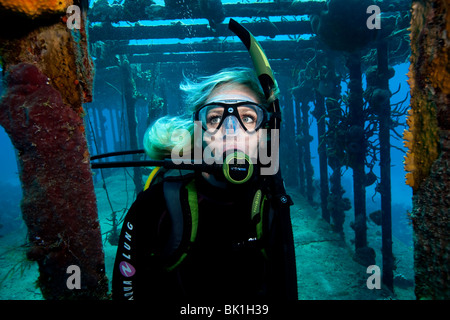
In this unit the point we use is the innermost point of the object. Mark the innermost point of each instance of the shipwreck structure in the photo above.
(141, 50)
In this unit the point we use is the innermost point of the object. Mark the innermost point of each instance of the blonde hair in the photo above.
(168, 132)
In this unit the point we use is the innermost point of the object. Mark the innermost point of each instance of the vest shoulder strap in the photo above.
(159, 174)
(183, 212)
(180, 195)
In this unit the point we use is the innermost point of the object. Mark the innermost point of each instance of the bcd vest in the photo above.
(184, 219)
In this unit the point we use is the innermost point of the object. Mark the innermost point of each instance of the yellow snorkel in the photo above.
(282, 201)
(262, 69)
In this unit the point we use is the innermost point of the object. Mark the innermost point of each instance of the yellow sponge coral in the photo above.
(422, 139)
(35, 8)
(428, 76)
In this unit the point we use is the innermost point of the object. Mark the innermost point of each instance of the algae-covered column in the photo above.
(384, 116)
(343, 27)
(428, 143)
(289, 141)
(307, 151)
(130, 96)
(299, 141)
(335, 138)
(356, 149)
(49, 75)
(319, 114)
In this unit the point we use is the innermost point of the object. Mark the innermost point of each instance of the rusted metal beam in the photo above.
(180, 30)
(283, 8)
(157, 12)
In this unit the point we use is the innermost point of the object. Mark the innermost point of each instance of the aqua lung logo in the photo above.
(126, 269)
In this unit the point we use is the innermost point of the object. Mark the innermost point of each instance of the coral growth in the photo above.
(428, 158)
(49, 75)
(35, 8)
(59, 204)
(422, 137)
(61, 56)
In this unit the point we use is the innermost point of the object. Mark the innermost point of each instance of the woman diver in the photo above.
(205, 235)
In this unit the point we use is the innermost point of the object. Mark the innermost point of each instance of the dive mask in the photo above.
(249, 115)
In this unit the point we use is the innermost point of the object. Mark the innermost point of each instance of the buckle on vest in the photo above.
(284, 200)
(250, 243)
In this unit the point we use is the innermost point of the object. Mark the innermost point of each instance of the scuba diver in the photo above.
(211, 234)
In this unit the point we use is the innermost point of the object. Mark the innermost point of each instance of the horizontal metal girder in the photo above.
(280, 8)
(182, 31)
(156, 12)
(206, 46)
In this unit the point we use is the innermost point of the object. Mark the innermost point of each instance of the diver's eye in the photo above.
(214, 120)
(247, 119)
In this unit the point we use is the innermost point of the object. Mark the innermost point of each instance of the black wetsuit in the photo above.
(225, 262)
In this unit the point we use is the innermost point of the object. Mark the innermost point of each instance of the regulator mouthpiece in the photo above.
(237, 167)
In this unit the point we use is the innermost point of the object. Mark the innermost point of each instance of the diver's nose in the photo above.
(231, 126)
